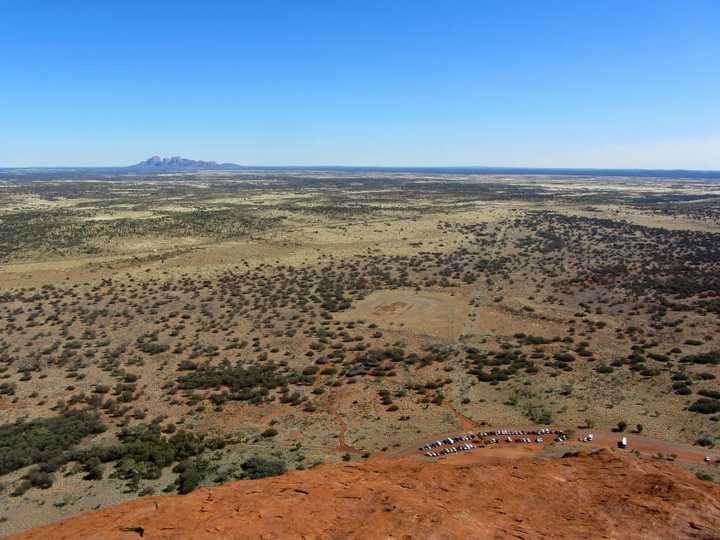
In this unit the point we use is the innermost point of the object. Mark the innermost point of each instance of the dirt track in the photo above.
(648, 446)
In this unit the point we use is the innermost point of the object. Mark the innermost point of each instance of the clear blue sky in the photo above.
(536, 83)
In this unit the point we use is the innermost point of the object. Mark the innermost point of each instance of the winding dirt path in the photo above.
(466, 423)
(343, 447)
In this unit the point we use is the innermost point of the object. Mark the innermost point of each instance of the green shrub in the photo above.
(705, 442)
(93, 469)
(37, 441)
(539, 415)
(705, 406)
(257, 467)
(143, 452)
(712, 358)
(153, 347)
(192, 473)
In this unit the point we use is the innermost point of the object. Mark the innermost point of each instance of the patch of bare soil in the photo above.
(430, 313)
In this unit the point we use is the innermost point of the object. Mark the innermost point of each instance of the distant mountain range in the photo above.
(177, 163)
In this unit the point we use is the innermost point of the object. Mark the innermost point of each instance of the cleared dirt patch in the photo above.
(433, 313)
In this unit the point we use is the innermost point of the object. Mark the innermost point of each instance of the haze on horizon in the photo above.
(561, 84)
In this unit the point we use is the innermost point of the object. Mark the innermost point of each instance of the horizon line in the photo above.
(388, 167)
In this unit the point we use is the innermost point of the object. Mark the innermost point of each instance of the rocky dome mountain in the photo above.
(600, 495)
(177, 163)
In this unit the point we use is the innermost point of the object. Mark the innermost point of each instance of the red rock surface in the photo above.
(604, 495)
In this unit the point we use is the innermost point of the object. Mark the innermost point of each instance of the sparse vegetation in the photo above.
(228, 308)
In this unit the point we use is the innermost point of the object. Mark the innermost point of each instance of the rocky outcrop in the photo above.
(177, 163)
(600, 495)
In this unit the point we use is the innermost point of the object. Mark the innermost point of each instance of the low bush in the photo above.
(37, 441)
(257, 467)
(705, 406)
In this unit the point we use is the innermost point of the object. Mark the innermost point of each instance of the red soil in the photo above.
(651, 447)
(603, 495)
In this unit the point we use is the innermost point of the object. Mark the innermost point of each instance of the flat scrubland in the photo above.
(165, 332)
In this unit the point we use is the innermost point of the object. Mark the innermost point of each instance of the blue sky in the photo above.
(536, 83)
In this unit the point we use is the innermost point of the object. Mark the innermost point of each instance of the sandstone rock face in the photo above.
(603, 495)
